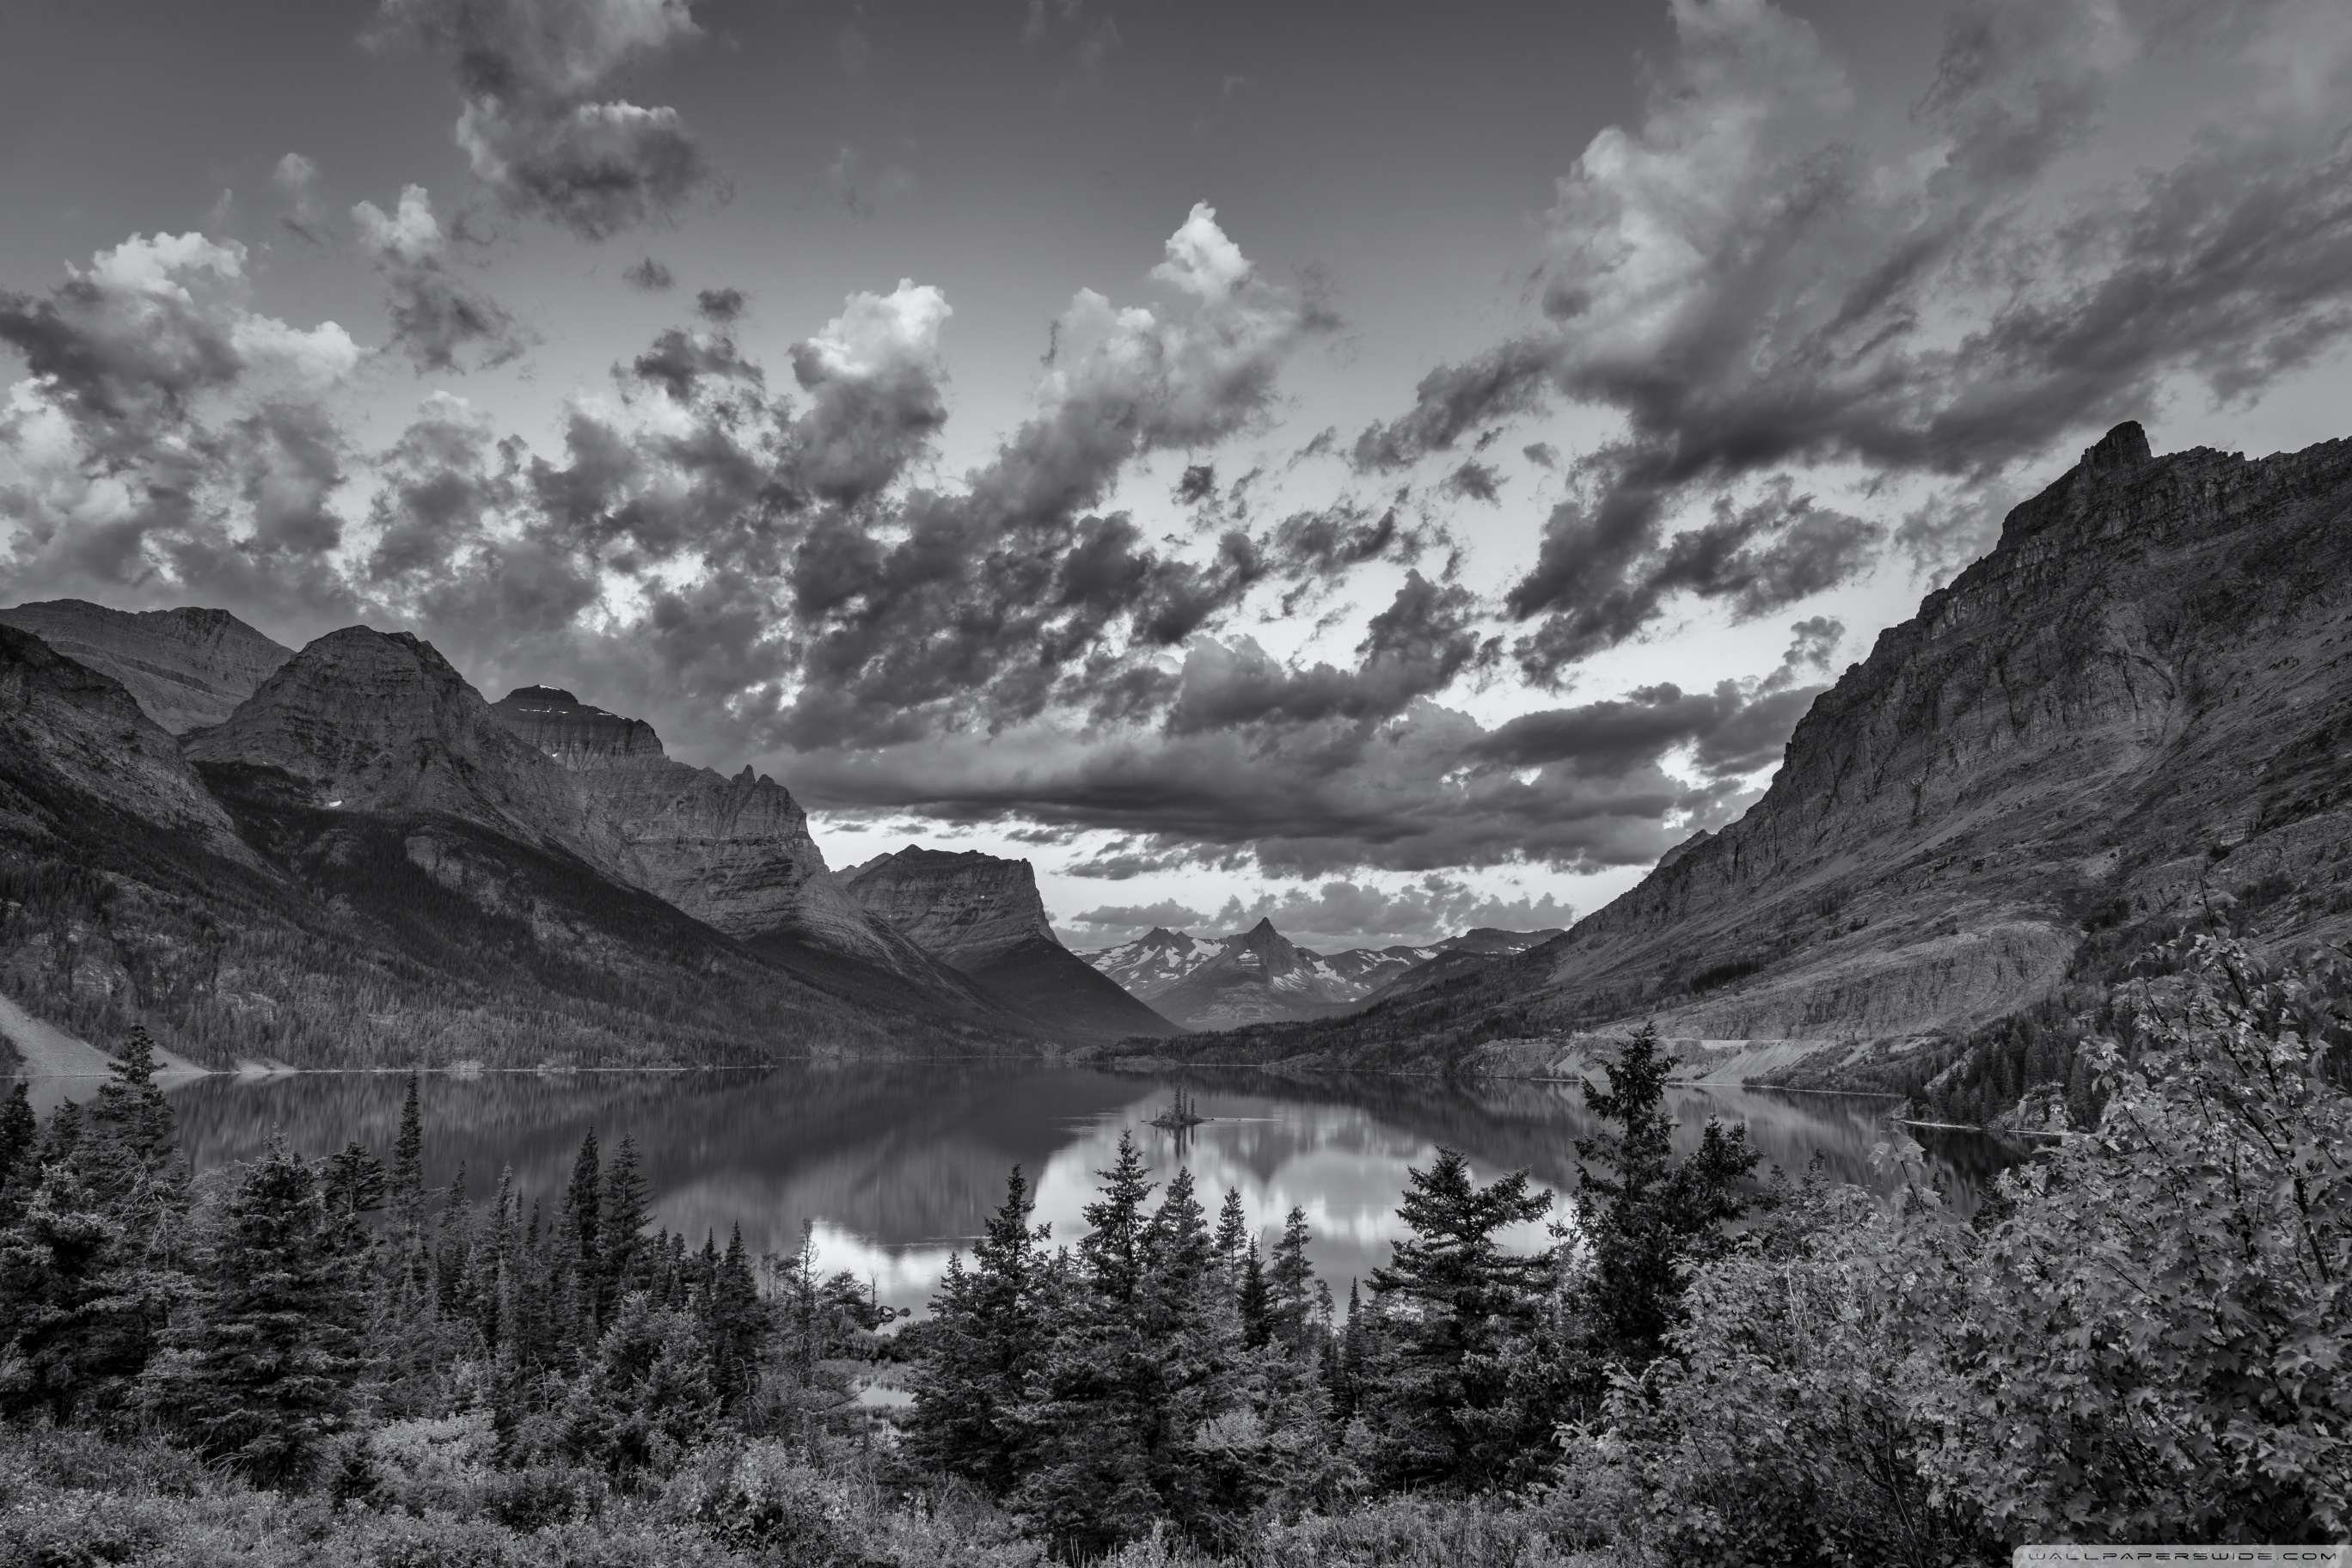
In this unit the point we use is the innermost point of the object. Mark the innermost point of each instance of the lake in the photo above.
(895, 1165)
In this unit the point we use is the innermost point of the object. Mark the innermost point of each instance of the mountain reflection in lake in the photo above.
(896, 1165)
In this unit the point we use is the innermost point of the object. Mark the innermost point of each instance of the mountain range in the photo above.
(2133, 715)
(346, 855)
(1259, 977)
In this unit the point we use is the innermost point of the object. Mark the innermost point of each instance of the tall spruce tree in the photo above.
(1089, 1482)
(20, 1143)
(1651, 1215)
(984, 1343)
(1456, 1311)
(258, 1370)
(621, 1222)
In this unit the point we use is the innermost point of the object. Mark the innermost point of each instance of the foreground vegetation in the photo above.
(2143, 1337)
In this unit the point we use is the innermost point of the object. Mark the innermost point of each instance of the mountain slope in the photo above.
(733, 853)
(1458, 956)
(362, 868)
(185, 668)
(982, 915)
(2140, 701)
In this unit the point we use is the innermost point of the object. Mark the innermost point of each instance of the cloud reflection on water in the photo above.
(896, 1164)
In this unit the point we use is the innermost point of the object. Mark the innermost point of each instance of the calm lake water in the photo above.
(896, 1165)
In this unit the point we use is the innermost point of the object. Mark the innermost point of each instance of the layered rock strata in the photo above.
(187, 668)
(982, 915)
(733, 853)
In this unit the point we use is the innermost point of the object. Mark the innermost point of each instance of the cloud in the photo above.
(296, 179)
(720, 307)
(1346, 914)
(1753, 293)
(537, 126)
(167, 441)
(770, 572)
(1138, 918)
(435, 315)
(648, 277)
(1337, 915)
(873, 377)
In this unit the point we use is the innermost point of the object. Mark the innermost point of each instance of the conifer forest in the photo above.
(311, 1356)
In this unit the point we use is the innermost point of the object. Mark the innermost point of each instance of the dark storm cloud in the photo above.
(1474, 481)
(1749, 290)
(1511, 379)
(1140, 917)
(649, 277)
(1413, 649)
(720, 307)
(538, 125)
(437, 316)
(1724, 727)
(772, 574)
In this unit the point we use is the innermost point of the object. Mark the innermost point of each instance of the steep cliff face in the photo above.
(735, 853)
(72, 738)
(982, 916)
(363, 865)
(375, 722)
(962, 909)
(187, 668)
(2140, 700)
(2148, 673)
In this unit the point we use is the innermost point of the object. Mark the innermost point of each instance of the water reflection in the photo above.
(895, 1165)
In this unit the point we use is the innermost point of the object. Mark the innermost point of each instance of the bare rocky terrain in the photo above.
(185, 668)
(982, 916)
(2137, 709)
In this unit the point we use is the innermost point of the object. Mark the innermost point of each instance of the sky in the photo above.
(1385, 469)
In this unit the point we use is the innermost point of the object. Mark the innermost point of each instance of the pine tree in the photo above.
(1251, 1300)
(983, 1344)
(1291, 1286)
(258, 1372)
(352, 1188)
(407, 1178)
(1233, 1234)
(62, 1344)
(1110, 1254)
(738, 1321)
(1090, 1477)
(1456, 1310)
(20, 1139)
(621, 1223)
(1653, 1215)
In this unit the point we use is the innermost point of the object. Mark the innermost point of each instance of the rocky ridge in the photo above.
(185, 668)
(982, 916)
(71, 738)
(734, 853)
(362, 721)
(1261, 976)
(2137, 704)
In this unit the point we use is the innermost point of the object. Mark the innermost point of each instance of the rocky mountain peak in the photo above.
(186, 668)
(961, 908)
(364, 721)
(558, 724)
(2137, 695)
